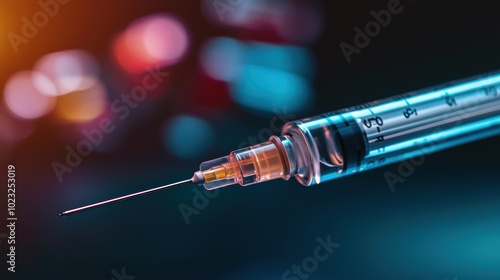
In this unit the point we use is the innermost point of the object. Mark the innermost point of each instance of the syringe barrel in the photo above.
(398, 128)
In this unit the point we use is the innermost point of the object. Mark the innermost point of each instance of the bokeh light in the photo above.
(293, 21)
(187, 136)
(222, 58)
(158, 39)
(83, 105)
(267, 89)
(287, 58)
(261, 76)
(26, 98)
(233, 13)
(71, 70)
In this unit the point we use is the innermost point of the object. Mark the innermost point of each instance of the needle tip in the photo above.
(198, 177)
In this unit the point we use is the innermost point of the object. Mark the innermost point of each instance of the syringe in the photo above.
(329, 146)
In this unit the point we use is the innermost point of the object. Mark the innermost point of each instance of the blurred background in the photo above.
(104, 98)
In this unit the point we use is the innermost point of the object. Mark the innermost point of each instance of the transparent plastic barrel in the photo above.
(395, 129)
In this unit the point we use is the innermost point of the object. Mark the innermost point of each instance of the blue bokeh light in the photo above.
(222, 58)
(287, 58)
(262, 77)
(187, 136)
(268, 89)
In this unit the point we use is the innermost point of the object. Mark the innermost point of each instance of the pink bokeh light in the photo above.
(27, 99)
(158, 39)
